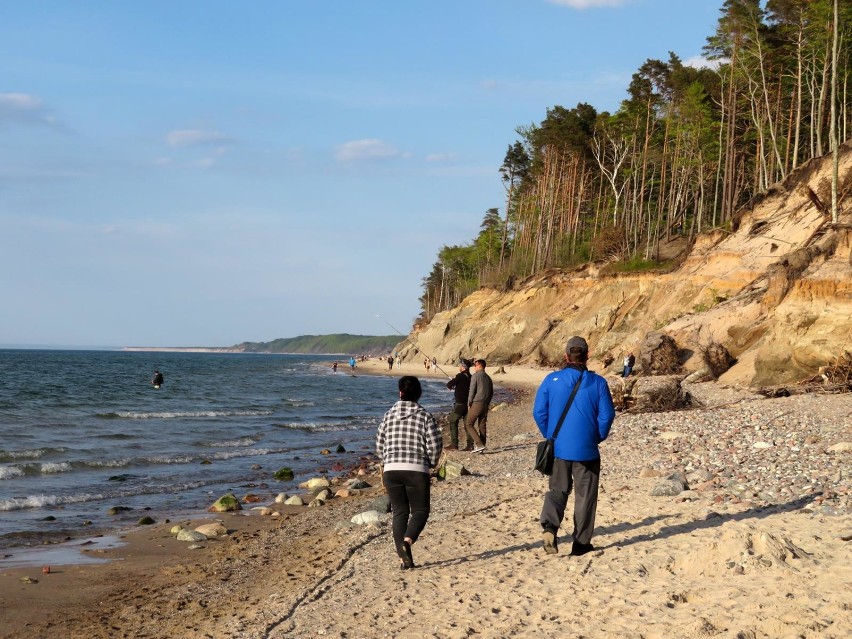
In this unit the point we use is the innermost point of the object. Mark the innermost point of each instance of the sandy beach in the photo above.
(759, 546)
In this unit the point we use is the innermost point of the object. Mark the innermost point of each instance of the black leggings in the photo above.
(409, 496)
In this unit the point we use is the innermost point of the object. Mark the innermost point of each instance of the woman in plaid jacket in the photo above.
(409, 443)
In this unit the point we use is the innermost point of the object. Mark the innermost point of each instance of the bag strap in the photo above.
(567, 406)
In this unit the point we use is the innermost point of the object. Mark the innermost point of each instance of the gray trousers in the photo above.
(584, 478)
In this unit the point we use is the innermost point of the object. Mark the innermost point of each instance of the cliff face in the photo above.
(776, 292)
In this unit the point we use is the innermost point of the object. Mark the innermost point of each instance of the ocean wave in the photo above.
(248, 452)
(42, 501)
(34, 468)
(10, 472)
(299, 403)
(321, 427)
(234, 443)
(184, 414)
(50, 467)
(34, 453)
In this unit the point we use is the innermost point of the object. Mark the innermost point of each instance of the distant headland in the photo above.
(334, 344)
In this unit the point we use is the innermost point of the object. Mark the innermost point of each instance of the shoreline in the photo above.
(718, 559)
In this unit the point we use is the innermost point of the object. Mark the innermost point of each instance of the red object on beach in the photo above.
(45, 570)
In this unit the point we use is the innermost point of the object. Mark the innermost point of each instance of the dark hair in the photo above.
(409, 388)
(480, 362)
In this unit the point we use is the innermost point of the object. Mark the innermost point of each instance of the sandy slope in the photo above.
(710, 563)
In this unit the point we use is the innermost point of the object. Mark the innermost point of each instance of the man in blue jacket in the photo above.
(577, 462)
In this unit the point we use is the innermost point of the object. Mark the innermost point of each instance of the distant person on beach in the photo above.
(390, 362)
(352, 363)
(157, 380)
(460, 385)
(629, 361)
(427, 364)
(408, 442)
(478, 400)
(577, 462)
(334, 367)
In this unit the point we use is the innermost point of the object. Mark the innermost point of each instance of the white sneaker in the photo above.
(478, 449)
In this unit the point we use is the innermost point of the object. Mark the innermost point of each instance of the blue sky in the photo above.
(182, 173)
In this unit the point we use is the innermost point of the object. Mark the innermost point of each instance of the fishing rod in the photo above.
(414, 344)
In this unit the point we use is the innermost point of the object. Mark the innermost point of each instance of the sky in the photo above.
(208, 172)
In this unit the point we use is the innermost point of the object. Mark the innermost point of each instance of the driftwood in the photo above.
(835, 377)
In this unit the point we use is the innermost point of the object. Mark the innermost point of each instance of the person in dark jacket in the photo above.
(478, 400)
(408, 441)
(460, 385)
(577, 463)
(157, 380)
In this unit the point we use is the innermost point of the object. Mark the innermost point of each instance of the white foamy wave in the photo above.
(163, 459)
(299, 403)
(34, 453)
(234, 443)
(108, 463)
(193, 414)
(49, 467)
(8, 472)
(320, 427)
(40, 501)
(248, 452)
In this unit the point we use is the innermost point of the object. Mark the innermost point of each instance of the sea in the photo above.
(83, 432)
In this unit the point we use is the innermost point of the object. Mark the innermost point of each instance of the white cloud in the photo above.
(588, 4)
(195, 137)
(23, 108)
(367, 149)
(440, 157)
(700, 62)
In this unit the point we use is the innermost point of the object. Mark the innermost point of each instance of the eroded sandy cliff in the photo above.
(776, 292)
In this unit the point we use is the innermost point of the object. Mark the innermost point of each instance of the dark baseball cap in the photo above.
(577, 344)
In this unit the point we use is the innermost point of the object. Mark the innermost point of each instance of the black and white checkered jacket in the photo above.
(408, 438)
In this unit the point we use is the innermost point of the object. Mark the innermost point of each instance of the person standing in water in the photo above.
(157, 380)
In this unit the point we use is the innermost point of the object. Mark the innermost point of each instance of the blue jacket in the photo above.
(589, 418)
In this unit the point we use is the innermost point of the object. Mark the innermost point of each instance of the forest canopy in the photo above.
(686, 149)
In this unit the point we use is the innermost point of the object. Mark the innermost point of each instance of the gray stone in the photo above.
(191, 535)
(381, 504)
(667, 488)
(366, 517)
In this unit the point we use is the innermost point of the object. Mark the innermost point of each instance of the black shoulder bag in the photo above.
(544, 451)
